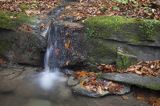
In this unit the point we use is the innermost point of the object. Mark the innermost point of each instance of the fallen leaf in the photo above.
(32, 12)
(67, 63)
(125, 97)
(67, 44)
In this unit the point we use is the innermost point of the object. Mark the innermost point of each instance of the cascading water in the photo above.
(49, 53)
(51, 74)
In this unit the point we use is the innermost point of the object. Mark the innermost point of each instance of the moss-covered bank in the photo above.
(120, 28)
(12, 20)
(139, 39)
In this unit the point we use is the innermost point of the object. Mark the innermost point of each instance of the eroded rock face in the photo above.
(100, 43)
(80, 46)
(21, 47)
(106, 34)
(66, 39)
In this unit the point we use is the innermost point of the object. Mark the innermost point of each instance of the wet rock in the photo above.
(134, 79)
(83, 91)
(21, 47)
(72, 81)
(97, 91)
(68, 41)
(12, 77)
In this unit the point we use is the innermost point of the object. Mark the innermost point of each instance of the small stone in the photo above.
(72, 81)
(134, 79)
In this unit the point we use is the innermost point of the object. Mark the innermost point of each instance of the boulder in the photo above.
(102, 36)
(68, 37)
(22, 47)
(79, 89)
(72, 81)
(134, 79)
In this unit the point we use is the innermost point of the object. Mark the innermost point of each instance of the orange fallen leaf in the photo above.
(125, 97)
(67, 44)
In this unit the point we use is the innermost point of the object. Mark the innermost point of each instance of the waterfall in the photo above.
(52, 75)
(50, 59)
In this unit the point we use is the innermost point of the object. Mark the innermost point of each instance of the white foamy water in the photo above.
(51, 75)
(49, 79)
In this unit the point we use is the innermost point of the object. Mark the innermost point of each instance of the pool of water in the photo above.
(24, 86)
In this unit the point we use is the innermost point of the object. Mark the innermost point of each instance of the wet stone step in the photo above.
(134, 79)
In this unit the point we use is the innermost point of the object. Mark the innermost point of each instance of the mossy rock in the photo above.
(13, 20)
(99, 52)
(4, 46)
(130, 30)
(125, 60)
(21, 47)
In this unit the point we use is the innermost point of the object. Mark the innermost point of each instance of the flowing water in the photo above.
(48, 88)
(52, 74)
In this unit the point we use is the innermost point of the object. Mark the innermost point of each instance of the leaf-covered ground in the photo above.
(94, 83)
(133, 8)
(30, 7)
(147, 68)
(91, 82)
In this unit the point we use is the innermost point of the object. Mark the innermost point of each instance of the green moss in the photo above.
(128, 29)
(101, 53)
(125, 60)
(148, 28)
(102, 25)
(4, 46)
(11, 20)
(153, 86)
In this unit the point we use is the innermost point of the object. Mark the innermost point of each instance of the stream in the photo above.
(27, 87)
(32, 86)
